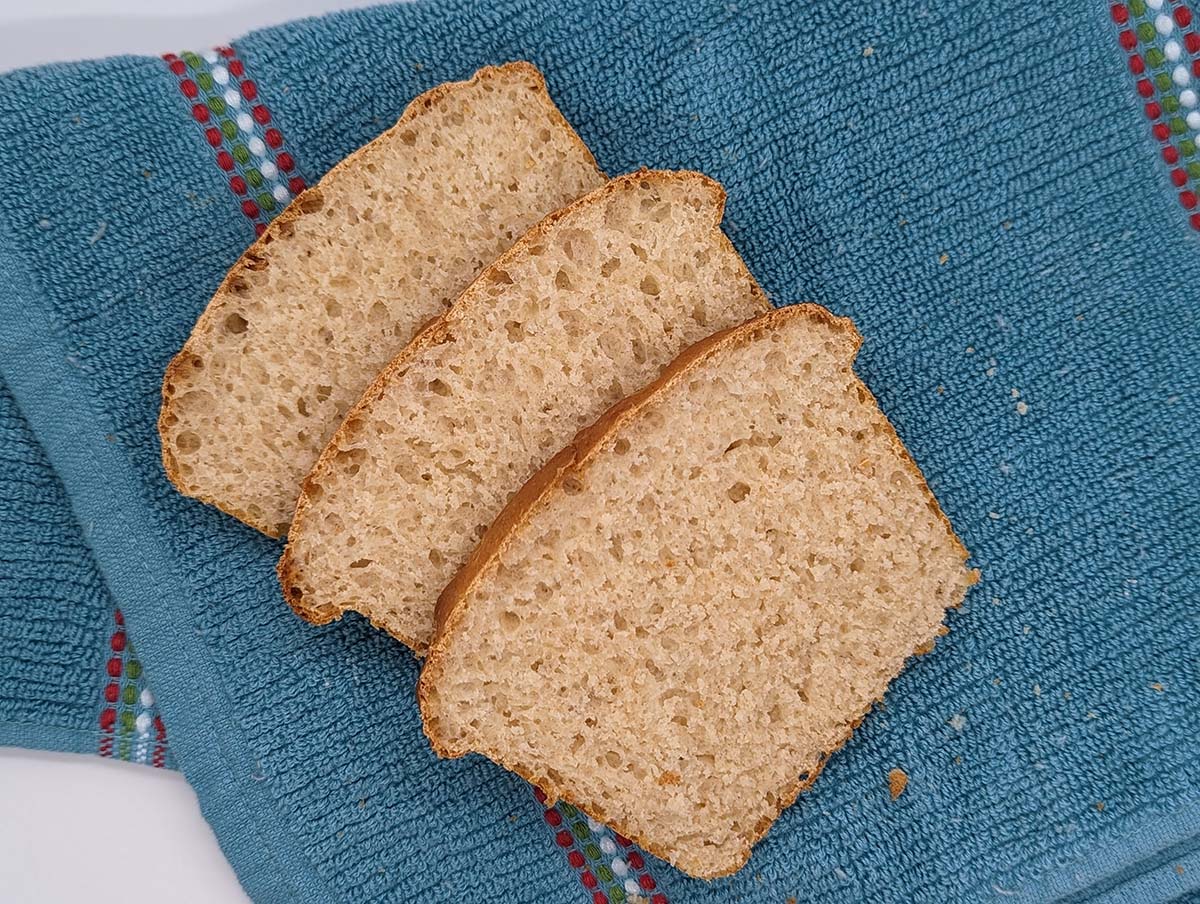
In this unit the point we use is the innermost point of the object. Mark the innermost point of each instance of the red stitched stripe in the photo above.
(111, 694)
(248, 146)
(1164, 123)
(588, 869)
(119, 679)
(158, 760)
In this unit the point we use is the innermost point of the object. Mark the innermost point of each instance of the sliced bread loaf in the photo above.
(680, 617)
(344, 277)
(585, 308)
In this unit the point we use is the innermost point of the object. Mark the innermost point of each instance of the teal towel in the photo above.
(1002, 196)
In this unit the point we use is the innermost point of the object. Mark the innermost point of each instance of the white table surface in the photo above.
(74, 828)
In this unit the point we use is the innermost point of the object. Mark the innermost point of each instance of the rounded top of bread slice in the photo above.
(691, 606)
(343, 278)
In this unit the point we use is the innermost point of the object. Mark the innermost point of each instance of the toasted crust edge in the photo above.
(574, 457)
(253, 256)
(433, 333)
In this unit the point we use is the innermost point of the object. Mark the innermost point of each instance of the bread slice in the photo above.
(585, 308)
(680, 617)
(345, 276)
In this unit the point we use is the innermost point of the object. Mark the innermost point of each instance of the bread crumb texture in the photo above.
(344, 277)
(586, 308)
(713, 584)
(897, 782)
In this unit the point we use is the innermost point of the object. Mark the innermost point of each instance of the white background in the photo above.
(42, 31)
(79, 829)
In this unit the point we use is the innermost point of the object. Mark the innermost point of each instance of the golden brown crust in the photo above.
(434, 333)
(568, 462)
(256, 257)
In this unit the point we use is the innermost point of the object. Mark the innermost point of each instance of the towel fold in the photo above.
(54, 608)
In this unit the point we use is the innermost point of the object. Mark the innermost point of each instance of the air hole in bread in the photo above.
(615, 549)
(188, 442)
(311, 201)
(235, 324)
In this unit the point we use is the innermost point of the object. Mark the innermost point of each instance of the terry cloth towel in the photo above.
(1003, 198)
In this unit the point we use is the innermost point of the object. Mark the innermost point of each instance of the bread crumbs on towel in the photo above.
(897, 782)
